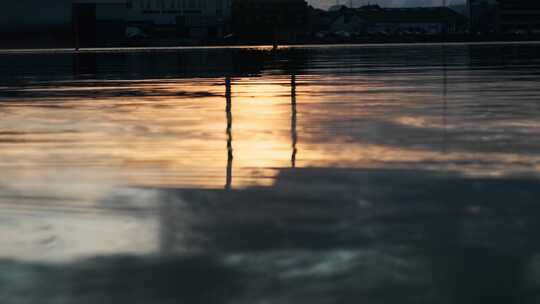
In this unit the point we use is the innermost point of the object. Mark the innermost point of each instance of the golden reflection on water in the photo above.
(156, 139)
(68, 146)
(84, 161)
(215, 133)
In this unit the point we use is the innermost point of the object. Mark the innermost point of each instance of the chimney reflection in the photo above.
(228, 108)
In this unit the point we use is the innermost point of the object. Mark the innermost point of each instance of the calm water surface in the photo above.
(380, 174)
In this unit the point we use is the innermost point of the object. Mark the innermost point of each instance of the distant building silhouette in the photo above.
(98, 22)
(88, 23)
(519, 15)
(374, 19)
(483, 16)
(64, 23)
(285, 20)
(504, 16)
(188, 18)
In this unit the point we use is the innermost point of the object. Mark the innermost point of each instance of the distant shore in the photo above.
(251, 46)
(29, 41)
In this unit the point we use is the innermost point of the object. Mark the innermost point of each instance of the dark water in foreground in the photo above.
(389, 174)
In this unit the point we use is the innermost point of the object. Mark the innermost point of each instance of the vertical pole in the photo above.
(445, 24)
(471, 17)
(75, 25)
(228, 110)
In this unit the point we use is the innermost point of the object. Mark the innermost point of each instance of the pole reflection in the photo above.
(445, 99)
(228, 110)
(294, 134)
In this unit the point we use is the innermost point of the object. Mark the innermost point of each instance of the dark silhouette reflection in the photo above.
(228, 110)
(440, 236)
(445, 96)
(503, 55)
(294, 134)
(126, 64)
(122, 280)
(484, 275)
(372, 245)
(84, 64)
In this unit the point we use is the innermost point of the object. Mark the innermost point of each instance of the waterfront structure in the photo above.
(374, 19)
(482, 16)
(151, 18)
(269, 19)
(98, 21)
(515, 16)
(30, 23)
(188, 18)
(106, 22)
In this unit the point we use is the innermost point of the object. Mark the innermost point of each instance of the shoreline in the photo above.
(253, 46)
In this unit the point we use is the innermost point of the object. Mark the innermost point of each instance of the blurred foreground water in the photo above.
(374, 174)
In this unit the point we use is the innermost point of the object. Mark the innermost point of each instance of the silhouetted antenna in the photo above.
(228, 110)
(294, 134)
